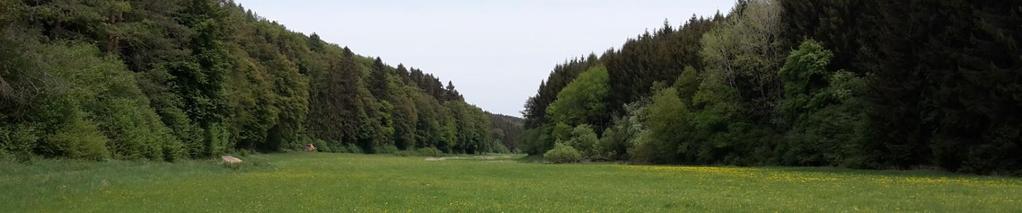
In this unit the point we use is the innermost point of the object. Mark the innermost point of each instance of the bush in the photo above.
(537, 140)
(351, 148)
(78, 140)
(17, 141)
(642, 150)
(136, 132)
(387, 149)
(584, 139)
(562, 154)
(500, 148)
(429, 151)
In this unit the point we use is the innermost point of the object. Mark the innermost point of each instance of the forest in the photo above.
(180, 79)
(858, 84)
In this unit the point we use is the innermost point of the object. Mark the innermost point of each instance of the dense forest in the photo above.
(861, 84)
(166, 80)
(507, 130)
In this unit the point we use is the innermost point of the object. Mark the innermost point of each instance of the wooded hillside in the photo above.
(864, 84)
(175, 79)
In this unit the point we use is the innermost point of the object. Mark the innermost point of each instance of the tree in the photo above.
(379, 80)
(823, 109)
(668, 129)
(584, 100)
(536, 107)
(585, 140)
(745, 51)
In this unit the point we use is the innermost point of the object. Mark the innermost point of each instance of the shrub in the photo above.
(136, 132)
(642, 150)
(500, 148)
(562, 153)
(351, 148)
(80, 140)
(429, 151)
(387, 149)
(584, 139)
(17, 141)
(339, 148)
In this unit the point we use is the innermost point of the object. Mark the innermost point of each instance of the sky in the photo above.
(496, 52)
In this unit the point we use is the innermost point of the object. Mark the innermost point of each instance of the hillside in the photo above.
(862, 84)
(166, 80)
(508, 130)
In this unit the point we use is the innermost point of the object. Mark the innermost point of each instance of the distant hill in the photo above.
(507, 129)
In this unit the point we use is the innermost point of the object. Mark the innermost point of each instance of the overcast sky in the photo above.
(496, 52)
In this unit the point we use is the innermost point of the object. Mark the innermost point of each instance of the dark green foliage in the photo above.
(668, 126)
(508, 130)
(536, 107)
(622, 135)
(83, 105)
(660, 56)
(874, 84)
(472, 127)
(940, 76)
(167, 79)
(823, 109)
(535, 141)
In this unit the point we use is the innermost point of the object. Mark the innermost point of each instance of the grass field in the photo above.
(347, 182)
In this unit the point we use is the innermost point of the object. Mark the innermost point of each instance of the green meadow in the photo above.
(320, 182)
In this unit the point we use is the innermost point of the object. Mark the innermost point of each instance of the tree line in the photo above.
(166, 80)
(861, 84)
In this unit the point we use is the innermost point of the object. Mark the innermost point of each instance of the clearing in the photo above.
(351, 182)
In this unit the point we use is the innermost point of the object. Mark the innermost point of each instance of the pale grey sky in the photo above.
(496, 52)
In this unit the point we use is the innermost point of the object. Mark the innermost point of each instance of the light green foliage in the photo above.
(668, 128)
(472, 126)
(583, 99)
(352, 148)
(74, 137)
(745, 52)
(328, 182)
(499, 147)
(561, 132)
(87, 106)
(217, 140)
(386, 149)
(108, 92)
(562, 153)
(585, 140)
(718, 122)
(138, 133)
(429, 151)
